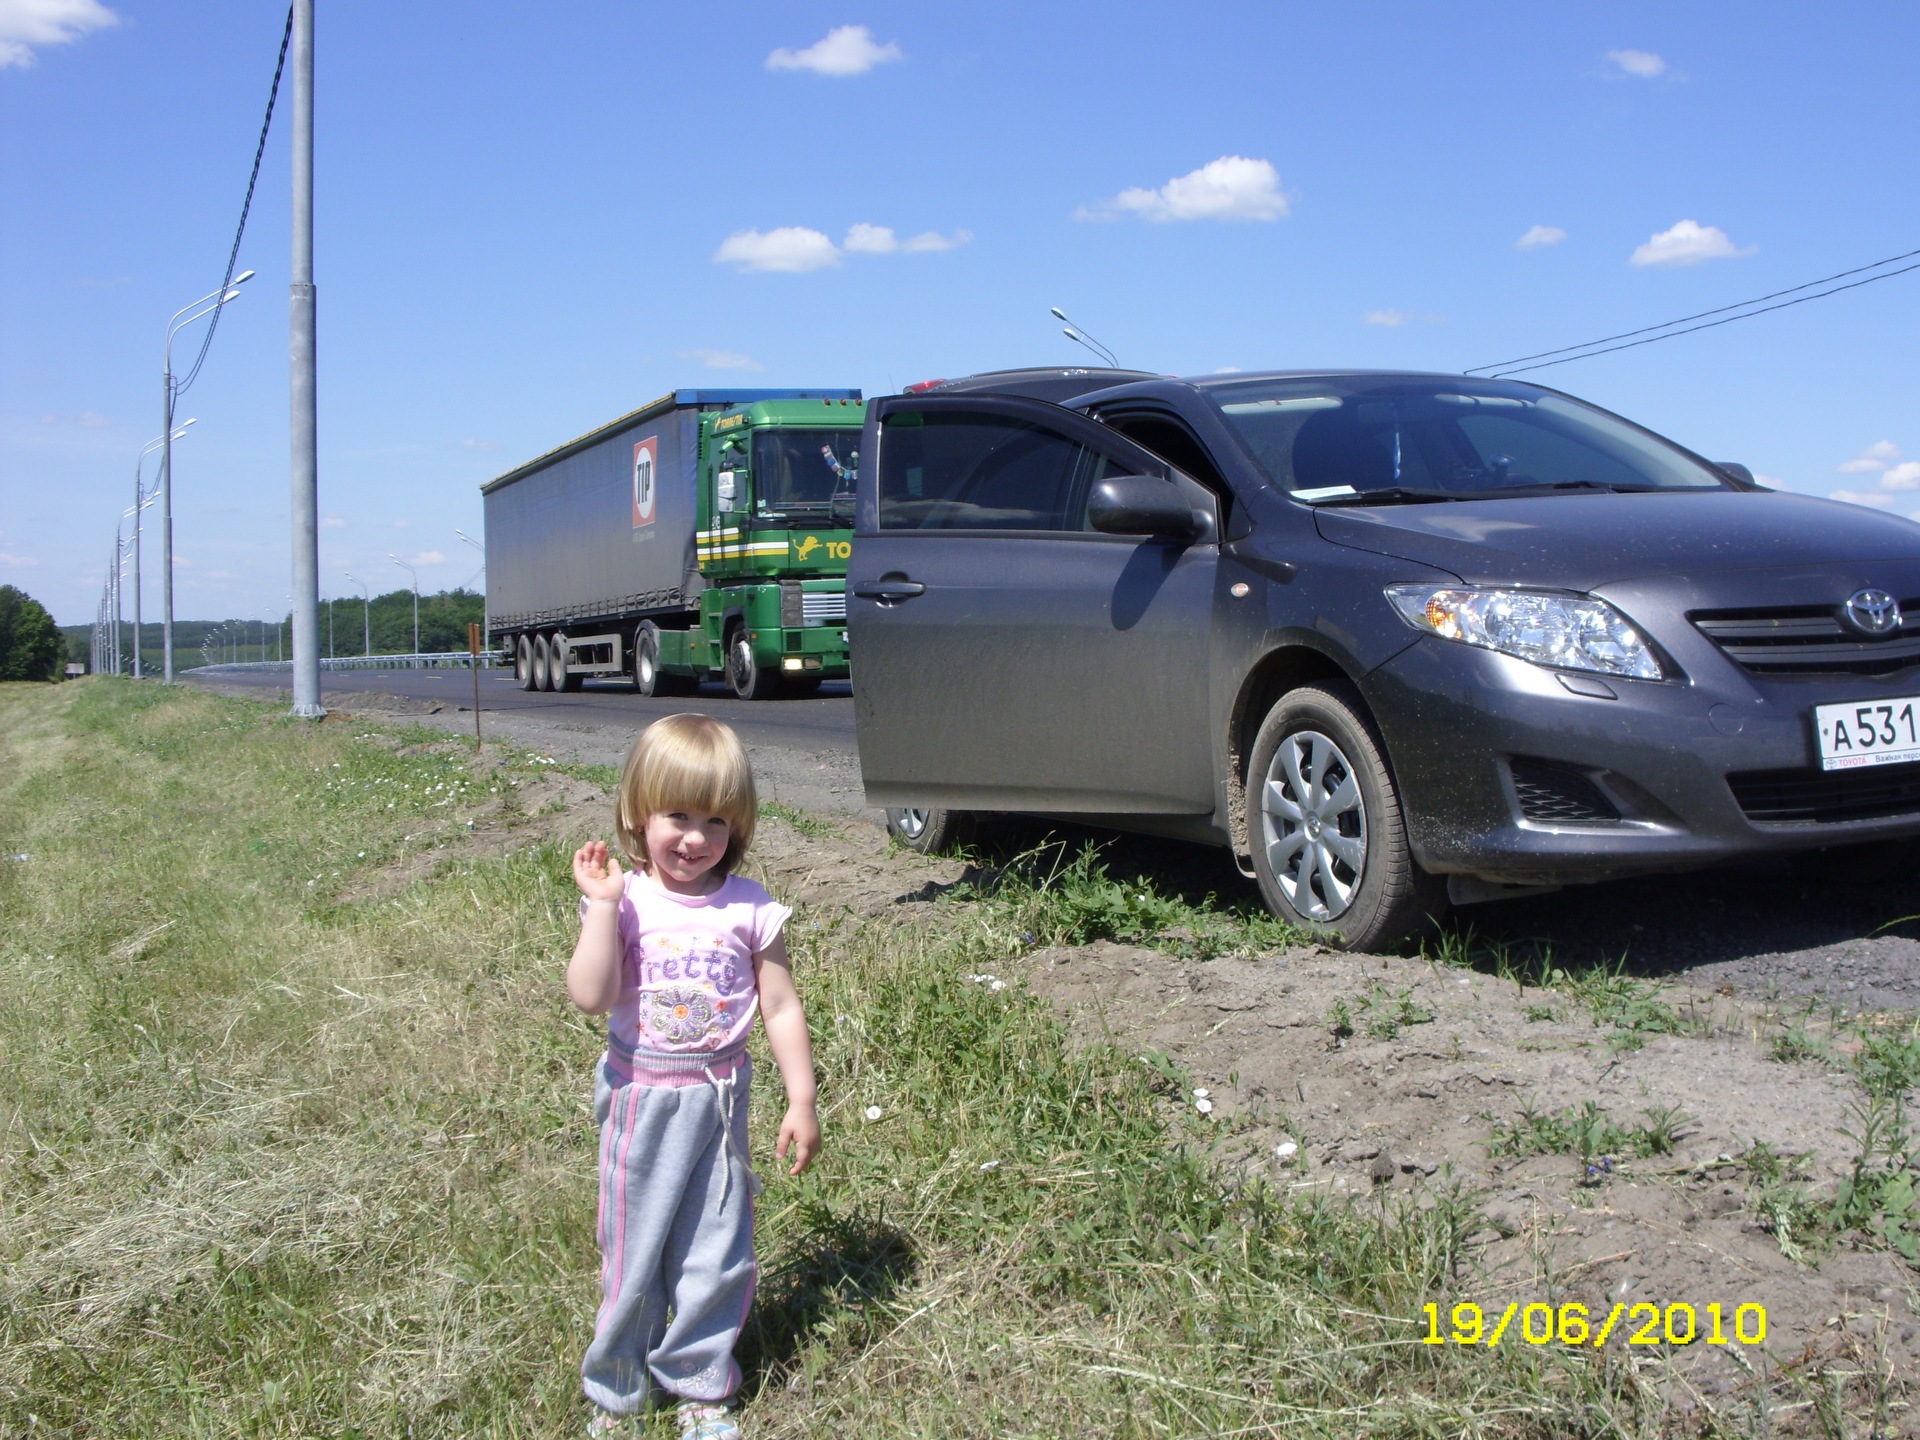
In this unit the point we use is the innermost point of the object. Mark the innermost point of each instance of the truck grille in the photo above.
(1809, 640)
(1552, 794)
(824, 607)
(1821, 796)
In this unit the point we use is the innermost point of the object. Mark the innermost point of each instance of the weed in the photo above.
(1888, 1062)
(1540, 1013)
(1340, 1022)
(1588, 1134)
(1387, 1015)
(1795, 1043)
(800, 820)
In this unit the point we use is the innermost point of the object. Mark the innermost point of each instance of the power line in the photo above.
(1568, 350)
(246, 206)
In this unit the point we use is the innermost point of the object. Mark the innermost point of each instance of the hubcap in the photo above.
(1314, 825)
(912, 823)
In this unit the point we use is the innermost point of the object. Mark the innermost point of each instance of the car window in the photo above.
(956, 471)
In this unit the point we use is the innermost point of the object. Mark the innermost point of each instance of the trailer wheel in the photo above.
(542, 672)
(523, 663)
(750, 680)
(560, 675)
(647, 678)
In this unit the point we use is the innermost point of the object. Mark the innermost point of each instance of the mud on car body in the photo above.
(1395, 640)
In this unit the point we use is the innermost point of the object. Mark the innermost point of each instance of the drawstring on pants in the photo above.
(724, 1091)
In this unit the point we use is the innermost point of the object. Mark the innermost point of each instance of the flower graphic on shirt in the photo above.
(682, 1015)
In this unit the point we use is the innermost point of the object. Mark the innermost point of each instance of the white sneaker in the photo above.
(703, 1420)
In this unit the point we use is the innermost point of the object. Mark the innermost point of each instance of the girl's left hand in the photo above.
(799, 1132)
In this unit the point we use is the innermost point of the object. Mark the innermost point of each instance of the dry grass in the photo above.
(288, 1149)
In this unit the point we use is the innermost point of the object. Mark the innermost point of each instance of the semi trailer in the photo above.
(703, 535)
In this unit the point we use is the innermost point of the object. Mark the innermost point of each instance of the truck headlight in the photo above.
(1567, 632)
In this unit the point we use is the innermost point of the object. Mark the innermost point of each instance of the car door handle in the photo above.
(888, 592)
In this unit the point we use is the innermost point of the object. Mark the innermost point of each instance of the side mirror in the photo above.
(1139, 505)
(1739, 472)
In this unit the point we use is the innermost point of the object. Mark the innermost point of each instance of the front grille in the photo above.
(1556, 795)
(1809, 640)
(1827, 796)
(824, 607)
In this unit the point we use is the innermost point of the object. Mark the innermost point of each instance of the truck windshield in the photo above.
(1407, 440)
(802, 469)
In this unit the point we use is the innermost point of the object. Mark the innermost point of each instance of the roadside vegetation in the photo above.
(294, 1137)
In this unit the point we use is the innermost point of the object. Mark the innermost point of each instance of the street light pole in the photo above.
(200, 308)
(304, 422)
(366, 614)
(416, 602)
(486, 600)
(140, 501)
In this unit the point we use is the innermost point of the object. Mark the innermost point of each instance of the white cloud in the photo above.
(1642, 64)
(426, 557)
(1864, 497)
(482, 445)
(1389, 318)
(931, 241)
(1688, 243)
(1227, 370)
(332, 522)
(791, 248)
(88, 419)
(1540, 236)
(865, 239)
(1902, 477)
(1875, 458)
(23, 561)
(847, 50)
(722, 359)
(27, 23)
(1230, 188)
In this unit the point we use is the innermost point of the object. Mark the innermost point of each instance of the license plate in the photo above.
(1876, 732)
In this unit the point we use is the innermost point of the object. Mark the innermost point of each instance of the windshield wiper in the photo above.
(1390, 495)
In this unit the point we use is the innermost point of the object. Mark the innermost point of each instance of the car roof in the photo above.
(1058, 384)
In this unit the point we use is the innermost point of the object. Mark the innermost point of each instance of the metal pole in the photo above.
(166, 513)
(302, 314)
(136, 567)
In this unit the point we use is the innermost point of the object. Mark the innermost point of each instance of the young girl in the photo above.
(681, 951)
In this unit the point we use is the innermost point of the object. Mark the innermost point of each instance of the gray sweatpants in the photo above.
(676, 1238)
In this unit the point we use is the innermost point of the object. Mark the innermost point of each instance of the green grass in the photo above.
(294, 1140)
(1629, 1008)
(1588, 1134)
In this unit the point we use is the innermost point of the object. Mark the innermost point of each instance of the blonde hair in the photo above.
(692, 763)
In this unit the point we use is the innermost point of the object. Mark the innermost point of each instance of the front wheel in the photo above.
(931, 831)
(749, 678)
(1329, 842)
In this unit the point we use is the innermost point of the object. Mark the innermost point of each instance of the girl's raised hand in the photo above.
(597, 873)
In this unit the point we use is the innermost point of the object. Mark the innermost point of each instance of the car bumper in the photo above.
(1472, 735)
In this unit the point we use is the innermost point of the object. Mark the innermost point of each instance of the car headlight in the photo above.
(1567, 632)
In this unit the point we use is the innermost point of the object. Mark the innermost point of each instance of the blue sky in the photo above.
(534, 218)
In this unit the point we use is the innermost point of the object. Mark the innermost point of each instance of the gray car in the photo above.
(1394, 640)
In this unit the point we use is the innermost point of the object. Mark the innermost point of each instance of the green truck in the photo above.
(705, 535)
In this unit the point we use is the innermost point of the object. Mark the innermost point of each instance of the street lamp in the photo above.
(486, 601)
(1083, 338)
(366, 615)
(206, 305)
(140, 503)
(416, 602)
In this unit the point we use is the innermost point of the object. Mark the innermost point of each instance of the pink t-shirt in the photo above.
(687, 983)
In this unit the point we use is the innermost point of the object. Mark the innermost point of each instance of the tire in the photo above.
(1329, 841)
(749, 678)
(559, 677)
(931, 831)
(647, 678)
(523, 663)
(542, 670)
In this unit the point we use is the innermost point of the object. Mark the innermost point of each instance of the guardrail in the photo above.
(441, 660)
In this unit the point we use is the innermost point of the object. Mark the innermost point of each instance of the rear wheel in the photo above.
(1329, 842)
(560, 675)
(647, 678)
(931, 831)
(542, 670)
(749, 678)
(523, 663)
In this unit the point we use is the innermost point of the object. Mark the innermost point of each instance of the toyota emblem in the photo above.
(1872, 612)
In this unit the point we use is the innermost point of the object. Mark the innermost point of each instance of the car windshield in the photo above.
(1407, 439)
(802, 469)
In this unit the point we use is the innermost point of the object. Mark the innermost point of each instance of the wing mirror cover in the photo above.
(1141, 505)
(1739, 472)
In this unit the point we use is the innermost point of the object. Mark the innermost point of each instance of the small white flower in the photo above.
(1204, 1106)
(989, 1165)
(998, 985)
(1200, 1092)
(361, 856)
(873, 1112)
(1285, 1151)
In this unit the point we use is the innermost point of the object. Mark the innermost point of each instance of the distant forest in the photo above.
(344, 627)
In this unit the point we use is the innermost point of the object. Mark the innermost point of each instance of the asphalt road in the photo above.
(816, 725)
(1847, 934)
